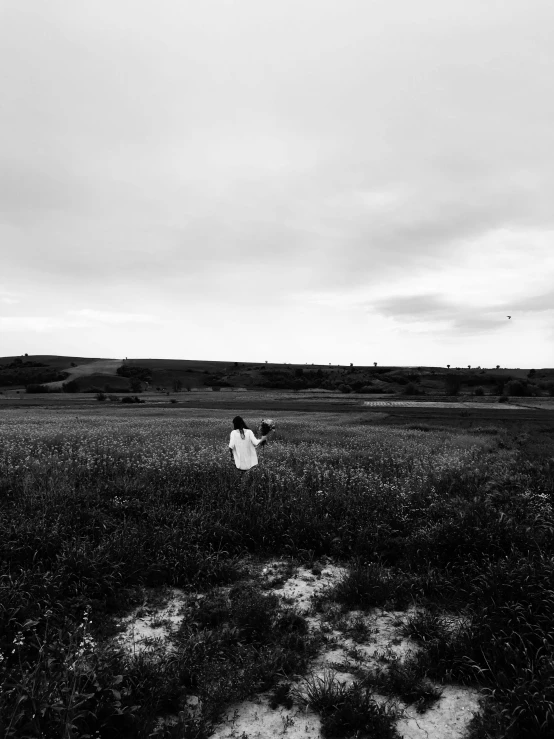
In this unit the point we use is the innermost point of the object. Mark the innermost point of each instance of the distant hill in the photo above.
(52, 360)
(81, 374)
(50, 371)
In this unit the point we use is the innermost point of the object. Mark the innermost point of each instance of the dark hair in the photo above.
(238, 423)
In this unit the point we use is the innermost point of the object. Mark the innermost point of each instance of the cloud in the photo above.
(10, 297)
(534, 303)
(431, 312)
(37, 323)
(101, 316)
(415, 307)
(84, 318)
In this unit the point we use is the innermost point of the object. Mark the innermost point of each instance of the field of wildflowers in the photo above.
(95, 507)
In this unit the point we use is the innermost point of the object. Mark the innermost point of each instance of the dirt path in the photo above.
(98, 367)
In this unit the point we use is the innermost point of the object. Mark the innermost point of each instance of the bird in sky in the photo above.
(508, 316)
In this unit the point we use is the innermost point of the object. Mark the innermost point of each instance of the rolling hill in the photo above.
(80, 374)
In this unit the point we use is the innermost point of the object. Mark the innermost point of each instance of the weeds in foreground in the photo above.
(60, 684)
(348, 710)
(503, 643)
(281, 696)
(367, 585)
(405, 680)
(231, 646)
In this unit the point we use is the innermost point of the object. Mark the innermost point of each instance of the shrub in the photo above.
(516, 388)
(136, 385)
(453, 384)
(30, 373)
(70, 387)
(345, 388)
(503, 399)
(479, 391)
(140, 373)
(101, 396)
(216, 379)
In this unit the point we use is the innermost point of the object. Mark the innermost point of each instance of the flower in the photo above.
(267, 425)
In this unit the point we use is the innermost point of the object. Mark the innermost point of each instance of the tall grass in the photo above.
(95, 507)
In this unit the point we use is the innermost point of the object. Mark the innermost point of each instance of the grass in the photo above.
(405, 680)
(95, 508)
(348, 710)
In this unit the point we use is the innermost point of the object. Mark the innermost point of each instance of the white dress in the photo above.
(244, 450)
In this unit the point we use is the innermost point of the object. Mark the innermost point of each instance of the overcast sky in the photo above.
(283, 180)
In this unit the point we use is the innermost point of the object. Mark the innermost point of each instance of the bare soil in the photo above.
(96, 367)
(150, 628)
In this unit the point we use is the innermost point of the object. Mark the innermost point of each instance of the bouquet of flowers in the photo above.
(267, 425)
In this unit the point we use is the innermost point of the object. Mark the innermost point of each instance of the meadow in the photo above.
(96, 507)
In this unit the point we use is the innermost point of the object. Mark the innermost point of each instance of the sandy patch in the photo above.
(448, 719)
(150, 626)
(257, 720)
(303, 585)
(354, 641)
(344, 656)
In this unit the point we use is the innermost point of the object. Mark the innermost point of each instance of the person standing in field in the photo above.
(243, 444)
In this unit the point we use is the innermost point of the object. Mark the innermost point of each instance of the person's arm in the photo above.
(257, 442)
